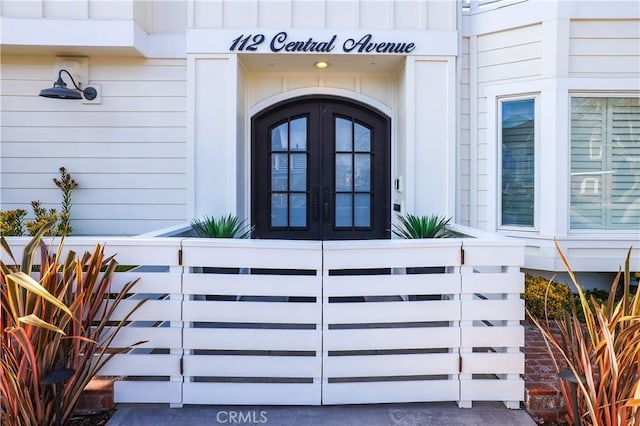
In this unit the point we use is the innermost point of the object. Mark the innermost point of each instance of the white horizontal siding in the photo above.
(510, 54)
(127, 153)
(605, 47)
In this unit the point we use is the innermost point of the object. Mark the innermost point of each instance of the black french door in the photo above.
(320, 171)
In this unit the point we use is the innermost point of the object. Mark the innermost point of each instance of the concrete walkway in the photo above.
(417, 414)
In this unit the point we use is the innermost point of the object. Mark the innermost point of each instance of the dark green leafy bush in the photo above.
(546, 299)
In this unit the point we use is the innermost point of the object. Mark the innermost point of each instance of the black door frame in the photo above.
(381, 179)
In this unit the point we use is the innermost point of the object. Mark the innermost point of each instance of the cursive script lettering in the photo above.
(280, 43)
(365, 45)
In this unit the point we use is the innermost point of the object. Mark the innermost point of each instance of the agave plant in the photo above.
(412, 226)
(60, 320)
(603, 352)
(228, 226)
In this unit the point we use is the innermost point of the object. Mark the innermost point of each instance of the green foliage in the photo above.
(43, 216)
(602, 351)
(412, 227)
(546, 298)
(60, 320)
(11, 222)
(228, 226)
(66, 185)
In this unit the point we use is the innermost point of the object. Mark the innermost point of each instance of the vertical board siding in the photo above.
(605, 47)
(346, 14)
(464, 125)
(127, 153)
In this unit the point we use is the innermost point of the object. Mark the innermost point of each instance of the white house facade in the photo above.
(515, 117)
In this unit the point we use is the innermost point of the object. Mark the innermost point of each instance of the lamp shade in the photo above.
(61, 91)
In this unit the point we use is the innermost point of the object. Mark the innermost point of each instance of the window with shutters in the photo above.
(605, 163)
(517, 141)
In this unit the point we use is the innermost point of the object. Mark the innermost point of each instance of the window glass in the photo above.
(289, 174)
(517, 131)
(605, 163)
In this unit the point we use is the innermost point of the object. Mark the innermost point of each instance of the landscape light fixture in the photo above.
(60, 90)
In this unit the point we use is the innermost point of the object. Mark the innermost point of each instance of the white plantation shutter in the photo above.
(605, 163)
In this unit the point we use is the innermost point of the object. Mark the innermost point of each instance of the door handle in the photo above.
(325, 198)
(315, 204)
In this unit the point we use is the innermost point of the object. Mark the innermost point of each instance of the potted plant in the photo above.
(427, 226)
(413, 227)
(226, 226)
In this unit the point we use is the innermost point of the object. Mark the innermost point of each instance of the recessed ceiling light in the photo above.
(321, 65)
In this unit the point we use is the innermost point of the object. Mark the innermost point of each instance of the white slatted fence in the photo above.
(252, 315)
(309, 322)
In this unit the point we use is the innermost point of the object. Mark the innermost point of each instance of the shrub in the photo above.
(228, 226)
(546, 298)
(603, 353)
(11, 222)
(61, 321)
(43, 216)
(412, 227)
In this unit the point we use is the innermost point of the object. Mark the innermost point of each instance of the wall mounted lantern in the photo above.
(60, 90)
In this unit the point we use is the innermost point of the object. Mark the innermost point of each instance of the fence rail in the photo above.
(310, 322)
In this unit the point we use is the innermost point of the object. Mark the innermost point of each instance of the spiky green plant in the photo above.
(227, 226)
(603, 351)
(412, 226)
(60, 320)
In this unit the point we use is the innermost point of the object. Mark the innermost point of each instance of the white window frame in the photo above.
(536, 156)
(589, 94)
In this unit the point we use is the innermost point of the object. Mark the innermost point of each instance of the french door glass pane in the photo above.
(279, 172)
(362, 210)
(280, 137)
(352, 174)
(363, 172)
(298, 172)
(344, 135)
(279, 207)
(344, 210)
(298, 210)
(362, 136)
(344, 172)
(299, 134)
(289, 174)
